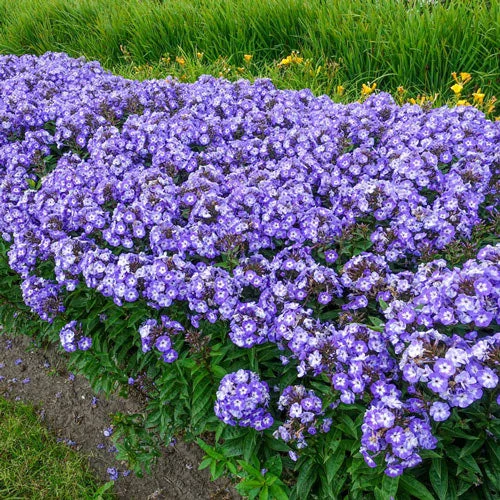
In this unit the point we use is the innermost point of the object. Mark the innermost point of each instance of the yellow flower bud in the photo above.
(340, 90)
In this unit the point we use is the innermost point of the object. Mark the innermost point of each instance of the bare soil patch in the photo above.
(67, 405)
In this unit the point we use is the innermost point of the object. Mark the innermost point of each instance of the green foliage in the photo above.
(135, 444)
(33, 465)
(256, 479)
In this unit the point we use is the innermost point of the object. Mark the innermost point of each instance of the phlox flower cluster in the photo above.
(303, 411)
(458, 368)
(159, 335)
(399, 430)
(242, 399)
(245, 203)
(72, 338)
(43, 297)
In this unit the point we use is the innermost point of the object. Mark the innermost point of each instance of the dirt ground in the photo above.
(65, 403)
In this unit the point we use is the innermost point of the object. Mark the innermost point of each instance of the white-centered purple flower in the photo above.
(242, 399)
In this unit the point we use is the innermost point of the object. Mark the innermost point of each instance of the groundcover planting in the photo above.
(317, 283)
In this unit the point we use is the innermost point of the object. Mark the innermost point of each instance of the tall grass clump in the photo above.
(394, 42)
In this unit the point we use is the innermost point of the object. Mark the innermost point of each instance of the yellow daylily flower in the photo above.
(340, 90)
(463, 102)
(466, 77)
(478, 97)
(457, 88)
(247, 58)
(199, 55)
(366, 90)
(293, 58)
(180, 60)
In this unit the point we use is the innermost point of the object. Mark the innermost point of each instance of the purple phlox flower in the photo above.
(113, 473)
(487, 378)
(439, 411)
(444, 367)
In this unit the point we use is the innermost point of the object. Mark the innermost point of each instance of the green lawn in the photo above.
(33, 465)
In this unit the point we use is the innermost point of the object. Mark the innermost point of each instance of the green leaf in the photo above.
(219, 431)
(209, 450)
(376, 321)
(248, 484)
(276, 445)
(264, 493)
(471, 448)
(390, 486)
(249, 445)
(218, 371)
(277, 492)
(348, 426)
(219, 470)
(494, 451)
(250, 470)
(415, 488)
(338, 484)
(213, 468)
(466, 463)
(334, 463)
(438, 475)
(105, 487)
(307, 477)
(274, 465)
(463, 486)
(205, 463)
(493, 475)
(429, 454)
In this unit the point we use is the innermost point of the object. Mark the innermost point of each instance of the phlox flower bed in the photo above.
(354, 245)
